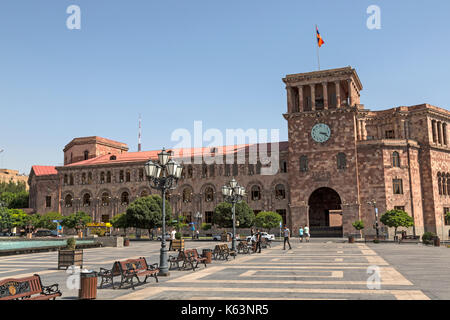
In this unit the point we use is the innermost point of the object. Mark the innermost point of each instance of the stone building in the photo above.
(8, 175)
(339, 157)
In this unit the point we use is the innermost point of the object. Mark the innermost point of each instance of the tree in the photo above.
(6, 221)
(15, 200)
(22, 220)
(268, 220)
(120, 221)
(397, 218)
(222, 215)
(146, 212)
(46, 220)
(77, 221)
(178, 223)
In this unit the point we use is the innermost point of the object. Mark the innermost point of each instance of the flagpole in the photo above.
(317, 44)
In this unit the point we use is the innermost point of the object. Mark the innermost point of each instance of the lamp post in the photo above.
(374, 204)
(163, 176)
(233, 193)
(198, 215)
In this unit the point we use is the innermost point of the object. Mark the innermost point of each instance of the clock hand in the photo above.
(324, 133)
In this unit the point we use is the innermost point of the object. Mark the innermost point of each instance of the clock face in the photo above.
(321, 133)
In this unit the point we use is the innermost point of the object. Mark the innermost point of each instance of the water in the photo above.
(9, 245)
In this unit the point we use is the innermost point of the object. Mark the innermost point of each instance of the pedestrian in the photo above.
(172, 237)
(198, 234)
(287, 234)
(258, 241)
(307, 235)
(300, 233)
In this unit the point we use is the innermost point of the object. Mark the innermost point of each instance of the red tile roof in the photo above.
(44, 170)
(177, 153)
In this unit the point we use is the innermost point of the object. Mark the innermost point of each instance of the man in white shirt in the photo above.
(306, 231)
(287, 234)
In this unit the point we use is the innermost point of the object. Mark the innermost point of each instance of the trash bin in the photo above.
(437, 242)
(88, 285)
(208, 254)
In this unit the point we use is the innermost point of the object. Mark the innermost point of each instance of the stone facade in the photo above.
(7, 175)
(339, 158)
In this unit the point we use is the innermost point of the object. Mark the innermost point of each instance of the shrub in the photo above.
(428, 237)
(178, 235)
(71, 243)
(358, 225)
(98, 231)
(206, 226)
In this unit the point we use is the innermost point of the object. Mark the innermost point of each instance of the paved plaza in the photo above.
(321, 269)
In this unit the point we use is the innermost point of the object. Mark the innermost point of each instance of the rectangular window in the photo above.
(235, 169)
(282, 213)
(397, 186)
(389, 134)
(48, 201)
(283, 166)
(227, 170)
(208, 216)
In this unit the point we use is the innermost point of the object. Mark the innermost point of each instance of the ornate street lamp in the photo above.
(163, 176)
(233, 194)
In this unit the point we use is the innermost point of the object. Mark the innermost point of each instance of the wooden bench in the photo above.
(190, 259)
(197, 258)
(244, 247)
(29, 288)
(128, 270)
(221, 251)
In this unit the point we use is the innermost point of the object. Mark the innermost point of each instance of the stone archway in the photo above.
(325, 213)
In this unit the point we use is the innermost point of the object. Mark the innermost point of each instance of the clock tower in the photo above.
(322, 114)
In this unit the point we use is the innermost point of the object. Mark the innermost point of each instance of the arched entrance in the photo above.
(325, 213)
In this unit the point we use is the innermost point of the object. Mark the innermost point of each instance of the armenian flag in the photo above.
(320, 41)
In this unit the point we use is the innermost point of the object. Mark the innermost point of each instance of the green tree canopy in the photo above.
(77, 221)
(268, 220)
(120, 221)
(146, 212)
(358, 225)
(178, 223)
(15, 200)
(46, 220)
(6, 221)
(222, 215)
(14, 187)
(397, 218)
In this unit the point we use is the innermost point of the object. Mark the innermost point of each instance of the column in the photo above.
(364, 131)
(290, 99)
(325, 95)
(300, 99)
(444, 133)
(350, 91)
(313, 97)
(359, 129)
(338, 94)
(434, 131)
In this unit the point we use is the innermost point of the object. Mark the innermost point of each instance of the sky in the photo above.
(219, 62)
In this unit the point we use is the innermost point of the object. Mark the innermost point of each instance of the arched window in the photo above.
(125, 198)
(128, 176)
(256, 193)
(209, 194)
(187, 195)
(448, 184)
(440, 183)
(121, 176)
(86, 155)
(341, 161)
(303, 163)
(105, 199)
(444, 184)
(86, 200)
(102, 177)
(141, 174)
(68, 201)
(83, 178)
(89, 180)
(108, 177)
(396, 159)
(280, 192)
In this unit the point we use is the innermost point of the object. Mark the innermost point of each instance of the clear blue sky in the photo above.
(178, 61)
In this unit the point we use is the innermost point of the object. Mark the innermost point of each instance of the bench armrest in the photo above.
(105, 272)
(49, 290)
(153, 266)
